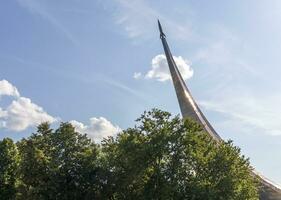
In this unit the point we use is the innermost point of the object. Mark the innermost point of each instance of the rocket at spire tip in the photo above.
(162, 35)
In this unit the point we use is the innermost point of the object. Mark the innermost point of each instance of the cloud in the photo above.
(7, 89)
(2, 113)
(97, 129)
(137, 75)
(22, 113)
(133, 16)
(122, 87)
(38, 7)
(160, 69)
(138, 19)
(258, 114)
(224, 53)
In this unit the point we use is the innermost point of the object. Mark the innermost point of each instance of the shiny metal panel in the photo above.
(189, 109)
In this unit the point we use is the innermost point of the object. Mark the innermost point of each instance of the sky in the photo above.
(99, 64)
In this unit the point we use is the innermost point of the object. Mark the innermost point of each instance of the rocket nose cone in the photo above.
(162, 35)
(159, 25)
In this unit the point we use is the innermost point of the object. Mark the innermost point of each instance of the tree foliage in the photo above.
(8, 169)
(57, 164)
(167, 158)
(162, 157)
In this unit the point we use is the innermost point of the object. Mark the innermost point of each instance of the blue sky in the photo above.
(98, 64)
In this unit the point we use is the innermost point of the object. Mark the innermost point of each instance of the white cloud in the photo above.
(224, 53)
(97, 129)
(2, 113)
(137, 75)
(253, 113)
(22, 112)
(38, 7)
(160, 69)
(138, 19)
(123, 87)
(8, 89)
(133, 16)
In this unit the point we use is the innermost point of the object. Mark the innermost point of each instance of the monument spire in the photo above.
(188, 107)
(161, 30)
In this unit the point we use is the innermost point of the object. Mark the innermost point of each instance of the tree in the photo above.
(168, 158)
(74, 160)
(58, 164)
(8, 169)
(162, 157)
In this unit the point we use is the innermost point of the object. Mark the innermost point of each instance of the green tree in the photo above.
(75, 164)
(34, 169)
(168, 158)
(58, 164)
(8, 169)
(162, 157)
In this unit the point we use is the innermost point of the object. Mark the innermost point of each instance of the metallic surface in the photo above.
(189, 109)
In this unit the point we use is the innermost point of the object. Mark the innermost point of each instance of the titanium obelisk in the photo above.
(190, 109)
(188, 106)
